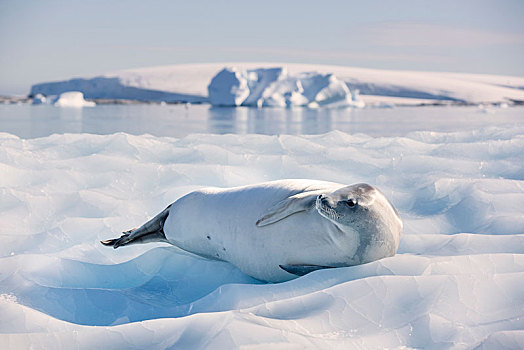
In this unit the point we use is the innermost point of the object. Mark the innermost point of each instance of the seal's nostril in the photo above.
(319, 196)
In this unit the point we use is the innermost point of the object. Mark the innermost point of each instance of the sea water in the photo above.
(28, 121)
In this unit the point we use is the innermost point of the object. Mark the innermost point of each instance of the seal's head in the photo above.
(363, 209)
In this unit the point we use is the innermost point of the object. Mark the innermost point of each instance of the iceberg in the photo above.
(72, 99)
(274, 87)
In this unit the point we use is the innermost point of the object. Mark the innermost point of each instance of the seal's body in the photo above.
(277, 230)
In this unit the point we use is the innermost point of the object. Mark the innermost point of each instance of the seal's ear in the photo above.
(289, 206)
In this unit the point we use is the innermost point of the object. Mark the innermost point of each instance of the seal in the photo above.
(276, 231)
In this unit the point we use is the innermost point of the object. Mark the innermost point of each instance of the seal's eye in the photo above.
(351, 203)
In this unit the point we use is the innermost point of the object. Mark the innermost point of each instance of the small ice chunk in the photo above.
(72, 99)
(39, 99)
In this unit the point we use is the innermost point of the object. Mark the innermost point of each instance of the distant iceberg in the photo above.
(274, 87)
(252, 83)
(72, 99)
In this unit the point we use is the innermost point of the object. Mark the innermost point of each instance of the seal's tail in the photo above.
(151, 231)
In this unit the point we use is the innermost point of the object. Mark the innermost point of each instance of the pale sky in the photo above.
(58, 39)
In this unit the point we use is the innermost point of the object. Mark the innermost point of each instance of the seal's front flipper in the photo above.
(289, 206)
(301, 270)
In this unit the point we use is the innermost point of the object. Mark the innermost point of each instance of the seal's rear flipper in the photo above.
(117, 242)
(110, 242)
(301, 270)
(151, 231)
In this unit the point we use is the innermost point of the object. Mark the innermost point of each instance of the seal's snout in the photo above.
(325, 201)
(322, 198)
(318, 202)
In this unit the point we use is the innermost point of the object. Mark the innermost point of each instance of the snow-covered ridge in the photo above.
(188, 83)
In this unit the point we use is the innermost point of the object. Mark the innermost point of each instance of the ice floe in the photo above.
(455, 283)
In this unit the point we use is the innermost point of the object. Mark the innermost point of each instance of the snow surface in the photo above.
(274, 87)
(188, 83)
(455, 283)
